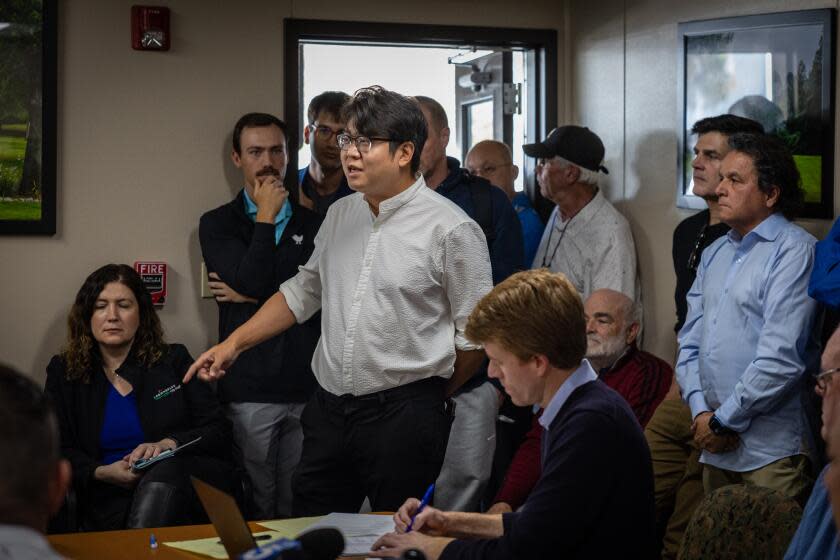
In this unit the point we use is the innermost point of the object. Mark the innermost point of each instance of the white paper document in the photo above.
(360, 530)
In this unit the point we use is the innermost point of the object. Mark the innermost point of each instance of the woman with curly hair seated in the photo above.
(118, 395)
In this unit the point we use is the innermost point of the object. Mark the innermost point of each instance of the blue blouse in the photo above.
(121, 430)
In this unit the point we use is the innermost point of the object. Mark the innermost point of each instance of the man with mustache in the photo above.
(322, 182)
(612, 325)
(251, 245)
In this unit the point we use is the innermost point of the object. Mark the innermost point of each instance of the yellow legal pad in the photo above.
(280, 528)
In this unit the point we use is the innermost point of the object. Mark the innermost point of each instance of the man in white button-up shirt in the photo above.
(396, 271)
(587, 239)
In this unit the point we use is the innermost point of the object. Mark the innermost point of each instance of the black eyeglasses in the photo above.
(697, 251)
(325, 132)
(363, 143)
(824, 377)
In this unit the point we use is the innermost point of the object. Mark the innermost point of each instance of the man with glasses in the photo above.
(492, 160)
(322, 182)
(587, 239)
(250, 246)
(816, 538)
(395, 273)
(749, 334)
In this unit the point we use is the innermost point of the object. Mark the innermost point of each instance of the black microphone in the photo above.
(318, 544)
(321, 544)
(413, 554)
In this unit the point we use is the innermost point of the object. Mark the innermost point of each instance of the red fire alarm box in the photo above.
(153, 275)
(150, 28)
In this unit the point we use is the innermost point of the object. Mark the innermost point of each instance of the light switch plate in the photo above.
(205, 288)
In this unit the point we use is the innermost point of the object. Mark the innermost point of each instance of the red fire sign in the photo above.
(153, 275)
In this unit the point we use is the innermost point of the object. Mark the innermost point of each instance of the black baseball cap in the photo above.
(577, 144)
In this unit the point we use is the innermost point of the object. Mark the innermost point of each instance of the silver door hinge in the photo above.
(512, 99)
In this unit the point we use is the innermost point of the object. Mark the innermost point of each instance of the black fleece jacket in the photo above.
(245, 256)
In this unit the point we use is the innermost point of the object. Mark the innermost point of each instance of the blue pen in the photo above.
(423, 503)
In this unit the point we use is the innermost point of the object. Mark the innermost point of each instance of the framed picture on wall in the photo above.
(27, 117)
(777, 69)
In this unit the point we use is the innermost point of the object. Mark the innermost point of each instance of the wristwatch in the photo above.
(717, 428)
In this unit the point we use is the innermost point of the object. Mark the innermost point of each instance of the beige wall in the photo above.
(622, 83)
(143, 143)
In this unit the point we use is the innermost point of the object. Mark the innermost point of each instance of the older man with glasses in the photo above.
(492, 160)
(816, 538)
(396, 271)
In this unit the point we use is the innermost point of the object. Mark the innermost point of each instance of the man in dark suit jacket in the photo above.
(594, 498)
(251, 245)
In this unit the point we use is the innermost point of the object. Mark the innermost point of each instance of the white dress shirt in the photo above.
(395, 289)
(594, 249)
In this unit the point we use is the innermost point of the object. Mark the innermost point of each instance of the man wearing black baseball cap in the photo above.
(587, 239)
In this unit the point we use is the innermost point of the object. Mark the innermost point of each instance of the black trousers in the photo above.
(388, 446)
(105, 506)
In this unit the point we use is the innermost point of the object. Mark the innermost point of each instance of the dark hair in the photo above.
(774, 167)
(533, 312)
(148, 346)
(30, 446)
(378, 112)
(728, 125)
(254, 120)
(435, 109)
(329, 102)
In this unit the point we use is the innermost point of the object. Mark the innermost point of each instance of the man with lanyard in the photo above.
(396, 271)
(587, 239)
(322, 182)
(250, 246)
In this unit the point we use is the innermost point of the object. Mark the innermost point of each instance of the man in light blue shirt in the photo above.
(749, 334)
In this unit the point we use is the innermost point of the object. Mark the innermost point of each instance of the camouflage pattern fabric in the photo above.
(741, 522)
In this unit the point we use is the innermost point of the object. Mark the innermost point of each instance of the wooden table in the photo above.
(132, 543)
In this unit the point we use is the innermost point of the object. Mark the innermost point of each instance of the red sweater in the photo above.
(640, 377)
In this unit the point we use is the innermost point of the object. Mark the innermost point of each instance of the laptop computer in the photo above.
(224, 513)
